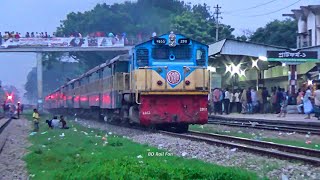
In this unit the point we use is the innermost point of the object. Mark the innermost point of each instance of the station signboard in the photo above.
(293, 56)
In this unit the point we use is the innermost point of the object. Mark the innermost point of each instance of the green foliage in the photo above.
(146, 16)
(279, 33)
(81, 156)
(55, 74)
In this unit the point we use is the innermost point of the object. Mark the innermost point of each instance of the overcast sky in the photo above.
(45, 16)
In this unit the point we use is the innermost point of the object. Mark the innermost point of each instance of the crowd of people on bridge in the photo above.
(251, 101)
(140, 37)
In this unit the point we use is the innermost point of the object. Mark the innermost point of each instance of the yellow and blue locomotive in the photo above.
(163, 81)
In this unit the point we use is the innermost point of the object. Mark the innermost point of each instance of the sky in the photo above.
(45, 16)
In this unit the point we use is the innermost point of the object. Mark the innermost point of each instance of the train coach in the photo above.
(162, 82)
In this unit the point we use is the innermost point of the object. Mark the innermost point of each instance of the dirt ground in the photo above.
(11, 164)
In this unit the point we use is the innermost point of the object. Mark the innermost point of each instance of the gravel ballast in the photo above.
(11, 164)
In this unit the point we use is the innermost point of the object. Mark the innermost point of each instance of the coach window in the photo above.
(100, 74)
(86, 80)
(107, 71)
(91, 78)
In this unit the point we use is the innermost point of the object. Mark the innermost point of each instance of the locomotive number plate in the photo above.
(173, 77)
(184, 41)
(203, 109)
(160, 41)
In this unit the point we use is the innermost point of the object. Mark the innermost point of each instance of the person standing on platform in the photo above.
(317, 102)
(300, 101)
(254, 99)
(232, 101)
(249, 100)
(226, 101)
(244, 101)
(279, 98)
(237, 101)
(36, 119)
(221, 98)
(284, 104)
(216, 100)
(307, 105)
(265, 95)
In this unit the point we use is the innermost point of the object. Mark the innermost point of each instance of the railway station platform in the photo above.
(296, 119)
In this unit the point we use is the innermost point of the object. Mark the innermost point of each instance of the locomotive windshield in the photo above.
(167, 53)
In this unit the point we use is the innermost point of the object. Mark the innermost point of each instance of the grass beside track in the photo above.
(212, 129)
(81, 154)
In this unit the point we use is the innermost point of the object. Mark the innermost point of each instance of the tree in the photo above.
(199, 28)
(144, 17)
(54, 76)
(279, 33)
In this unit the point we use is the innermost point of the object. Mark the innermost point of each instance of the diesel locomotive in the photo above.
(161, 82)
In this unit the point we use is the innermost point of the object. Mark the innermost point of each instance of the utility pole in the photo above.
(217, 16)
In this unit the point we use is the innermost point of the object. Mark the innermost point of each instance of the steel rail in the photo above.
(251, 148)
(263, 144)
(2, 127)
(273, 127)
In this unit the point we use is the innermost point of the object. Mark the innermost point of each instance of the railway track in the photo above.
(3, 125)
(279, 151)
(273, 126)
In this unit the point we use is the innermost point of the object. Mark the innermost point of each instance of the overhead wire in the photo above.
(253, 7)
(264, 14)
(275, 10)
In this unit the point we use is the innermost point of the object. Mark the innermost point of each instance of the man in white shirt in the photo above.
(226, 101)
(55, 122)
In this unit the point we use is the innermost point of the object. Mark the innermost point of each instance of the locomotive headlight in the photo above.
(159, 83)
(159, 70)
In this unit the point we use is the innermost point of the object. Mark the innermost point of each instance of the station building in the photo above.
(238, 64)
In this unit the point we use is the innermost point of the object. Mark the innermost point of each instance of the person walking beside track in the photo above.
(36, 119)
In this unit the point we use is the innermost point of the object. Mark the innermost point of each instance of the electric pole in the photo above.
(217, 16)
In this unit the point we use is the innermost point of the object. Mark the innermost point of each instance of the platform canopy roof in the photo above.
(234, 51)
(243, 48)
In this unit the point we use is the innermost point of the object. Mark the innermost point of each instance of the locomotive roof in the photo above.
(92, 70)
(123, 57)
(167, 36)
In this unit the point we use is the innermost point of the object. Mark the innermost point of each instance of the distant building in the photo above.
(308, 18)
